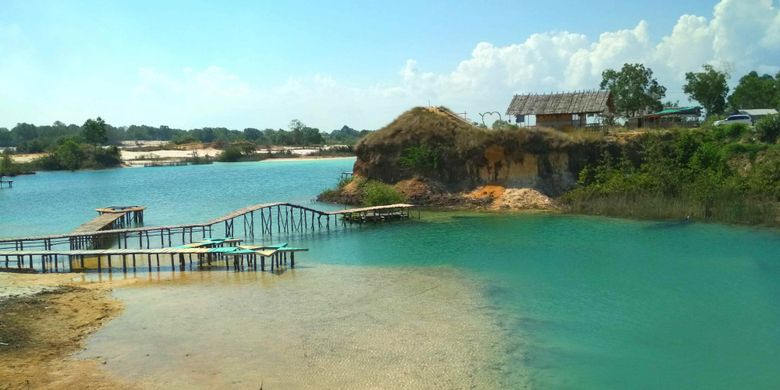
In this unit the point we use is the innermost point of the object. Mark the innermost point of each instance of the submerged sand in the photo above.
(319, 327)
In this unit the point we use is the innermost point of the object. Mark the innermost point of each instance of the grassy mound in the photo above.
(436, 144)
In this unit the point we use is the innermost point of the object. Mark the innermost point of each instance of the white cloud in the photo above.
(739, 36)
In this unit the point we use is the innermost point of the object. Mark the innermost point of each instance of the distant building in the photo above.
(561, 110)
(758, 113)
(669, 117)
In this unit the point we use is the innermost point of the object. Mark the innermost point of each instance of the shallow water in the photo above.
(580, 302)
(321, 326)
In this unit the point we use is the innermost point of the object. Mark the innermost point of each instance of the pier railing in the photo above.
(254, 222)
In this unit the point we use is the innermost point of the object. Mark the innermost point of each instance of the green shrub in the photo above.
(7, 165)
(768, 128)
(420, 158)
(69, 155)
(734, 149)
(732, 131)
(105, 157)
(376, 193)
(184, 139)
(716, 176)
(230, 154)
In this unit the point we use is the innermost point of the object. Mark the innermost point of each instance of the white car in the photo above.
(741, 118)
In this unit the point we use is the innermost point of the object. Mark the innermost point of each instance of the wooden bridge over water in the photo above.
(111, 228)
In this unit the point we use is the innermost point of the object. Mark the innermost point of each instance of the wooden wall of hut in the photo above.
(561, 121)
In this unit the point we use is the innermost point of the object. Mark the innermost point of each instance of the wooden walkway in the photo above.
(267, 218)
(101, 222)
(72, 260)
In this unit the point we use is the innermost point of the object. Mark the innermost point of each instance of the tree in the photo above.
(24, 132)
(311, 136)
(499, 124)
(754, 91)
(94, 131)
(295, 124)
(252, 134)
(6, 139)
(7, 165)
(69, 155)
(709, 88)
(634, 90)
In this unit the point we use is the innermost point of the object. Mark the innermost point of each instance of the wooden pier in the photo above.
(234, 256)
(376, 213)
(130, 214)
(258, 221)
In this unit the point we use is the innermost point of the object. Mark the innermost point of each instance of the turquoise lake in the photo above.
(581, 302)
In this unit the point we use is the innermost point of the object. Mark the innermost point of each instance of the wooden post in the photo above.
(278, 219)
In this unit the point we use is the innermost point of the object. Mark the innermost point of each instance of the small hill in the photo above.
(437, 145)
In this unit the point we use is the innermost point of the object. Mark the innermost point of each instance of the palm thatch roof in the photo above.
(592, 102)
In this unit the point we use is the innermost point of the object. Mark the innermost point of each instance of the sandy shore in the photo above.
(134, 158)
(305, 158)
(44, 319)
(129, 155)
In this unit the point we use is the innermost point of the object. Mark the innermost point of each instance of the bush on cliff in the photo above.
(376, 193)
(720, 175)
(359, 191)
(768, 128)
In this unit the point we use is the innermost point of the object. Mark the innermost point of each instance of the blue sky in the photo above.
(260, 64)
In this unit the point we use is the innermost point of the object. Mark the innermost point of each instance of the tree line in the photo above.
(635, 91)
(80, 148)
(29, 138)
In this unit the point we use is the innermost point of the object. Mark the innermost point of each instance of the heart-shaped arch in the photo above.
(483, 114)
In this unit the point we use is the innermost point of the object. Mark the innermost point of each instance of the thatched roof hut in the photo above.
(561, 110)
